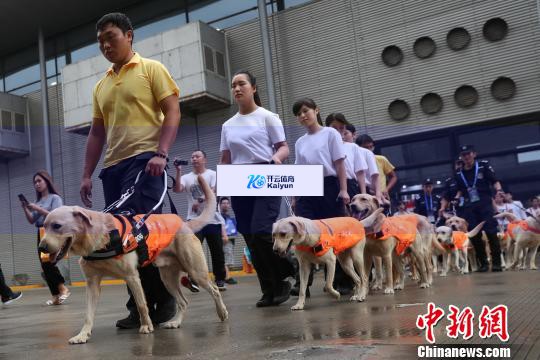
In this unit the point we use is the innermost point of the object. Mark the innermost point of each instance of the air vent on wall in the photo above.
(466, 96)
(399, 109)
(458, 38)
(392, 55)
(495, 29)
(503, 88)
(431, 103)
(424, 47)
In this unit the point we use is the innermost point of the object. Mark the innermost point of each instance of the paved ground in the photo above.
(383, 327)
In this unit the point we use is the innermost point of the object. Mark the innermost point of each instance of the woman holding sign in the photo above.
(47, 200)
(255, 135)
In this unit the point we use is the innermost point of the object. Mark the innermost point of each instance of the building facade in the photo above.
(421, 77)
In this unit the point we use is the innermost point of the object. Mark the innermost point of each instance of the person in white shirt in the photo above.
(501, 206)
(196, 204)
(355, 163)
(402, 209)
(534, 210)
(255, 135)
(372, 174)
(322, 146)
(518, 208)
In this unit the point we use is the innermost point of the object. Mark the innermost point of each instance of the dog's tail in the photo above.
(476, 230)
(370, 220)
(209, 207)
(436, 245)
(508, 215)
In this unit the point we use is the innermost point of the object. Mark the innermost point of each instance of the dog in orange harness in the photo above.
(456, 244)
(171, 243)
(524, 235)
(391, 238)
(321, 242)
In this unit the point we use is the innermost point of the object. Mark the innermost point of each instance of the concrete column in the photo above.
(267, 54)
(45, 103)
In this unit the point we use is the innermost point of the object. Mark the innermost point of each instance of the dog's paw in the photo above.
(297, 307)
(399, 287)
(334, 293)
(376, 286)
(424, 285)
(223, 315)
(146, 329)
(388, 291)
(171, 325)
(81, 338)
(534, 268)
(443, 274)
(358, 298)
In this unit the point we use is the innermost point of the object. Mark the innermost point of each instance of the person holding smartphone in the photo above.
(48, 199)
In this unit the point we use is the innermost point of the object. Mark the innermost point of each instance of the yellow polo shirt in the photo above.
(128, 103)
(385, 168)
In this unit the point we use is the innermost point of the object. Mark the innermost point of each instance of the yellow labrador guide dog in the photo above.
(85, 232)
(320, 242)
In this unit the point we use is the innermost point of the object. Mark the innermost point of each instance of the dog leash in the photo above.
(130, 191)
(289, 205)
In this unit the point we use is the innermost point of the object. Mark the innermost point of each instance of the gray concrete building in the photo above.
(421, 77)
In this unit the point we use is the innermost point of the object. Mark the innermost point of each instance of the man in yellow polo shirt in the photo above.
(387, 177)
(136, 113)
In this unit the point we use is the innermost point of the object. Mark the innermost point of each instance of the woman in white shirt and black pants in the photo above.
(255, 135)
(321, 146)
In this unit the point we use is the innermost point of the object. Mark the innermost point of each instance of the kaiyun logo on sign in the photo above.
(256, 181)
(271, 182)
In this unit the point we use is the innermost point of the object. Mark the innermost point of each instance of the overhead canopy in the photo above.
(21, 19)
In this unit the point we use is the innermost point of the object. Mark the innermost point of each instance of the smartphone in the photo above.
(22, 198)
(181, 162)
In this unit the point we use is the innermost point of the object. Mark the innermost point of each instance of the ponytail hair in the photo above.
(308, 103)
(253, 81)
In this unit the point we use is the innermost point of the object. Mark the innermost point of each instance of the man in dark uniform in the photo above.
(450, 191)
(428, 204)
(474, 183)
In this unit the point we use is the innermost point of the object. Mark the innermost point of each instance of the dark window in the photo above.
(502, 138)
(209, 58)
(19, 123)
(6, 120)
(210, 11)
(159, 26)
(22, 77)
(418, 152)
(220, 63)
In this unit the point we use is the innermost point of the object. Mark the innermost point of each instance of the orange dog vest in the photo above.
(339, 234)
(522, 224)
(458, 240)
(403, 228)
(161, 230)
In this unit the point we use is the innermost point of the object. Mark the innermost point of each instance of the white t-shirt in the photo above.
(534, 212)
(354, 161)
(371, 162)
(504, 208)
(250, 138)
(196, 194)
(321, 148)
(518, 210)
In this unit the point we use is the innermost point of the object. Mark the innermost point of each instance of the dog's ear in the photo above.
(83, 214)
(377, 203)
(298, 226)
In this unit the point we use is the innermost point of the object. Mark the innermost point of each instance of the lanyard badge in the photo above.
(474, 196)
(429, 208)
